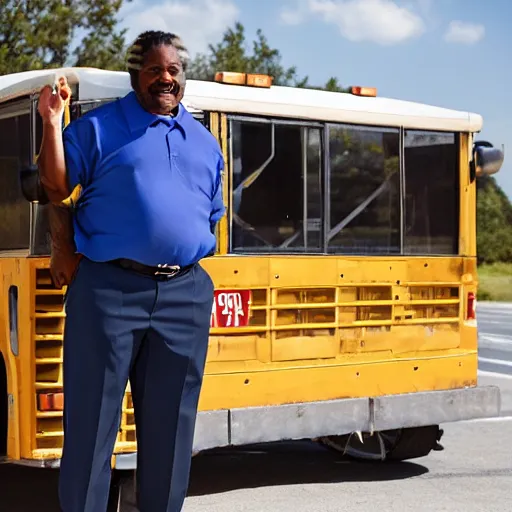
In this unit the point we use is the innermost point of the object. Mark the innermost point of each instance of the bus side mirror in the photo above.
(487, 160)
(31, 186)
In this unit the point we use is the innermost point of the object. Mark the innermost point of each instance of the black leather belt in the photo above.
(159, 272)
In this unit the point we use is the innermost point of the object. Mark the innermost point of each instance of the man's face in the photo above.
(161, 80)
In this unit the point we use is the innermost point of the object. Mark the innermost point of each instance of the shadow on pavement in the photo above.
(301, 462)
(24, 489)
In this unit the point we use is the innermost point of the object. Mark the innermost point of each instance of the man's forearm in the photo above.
(61, 228)
(64, 260)
(52, 164)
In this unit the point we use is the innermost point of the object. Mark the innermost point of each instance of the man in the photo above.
(138, 307)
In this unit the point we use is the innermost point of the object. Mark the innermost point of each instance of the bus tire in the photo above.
(416, 442)
(389, 445)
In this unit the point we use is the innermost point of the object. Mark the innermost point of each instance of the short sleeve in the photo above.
(218, 208)
(76, 164)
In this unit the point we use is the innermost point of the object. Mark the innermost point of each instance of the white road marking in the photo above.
(494, 311)
(494, 419)
(485, 373)
(504, 336)
(499, 362)
(493, 339)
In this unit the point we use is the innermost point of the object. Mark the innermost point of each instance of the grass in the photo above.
(495, 282)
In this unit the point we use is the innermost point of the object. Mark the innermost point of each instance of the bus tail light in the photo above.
(50, 402)
(471, 307)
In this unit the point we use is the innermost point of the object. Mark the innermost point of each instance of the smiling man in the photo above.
(139, 304)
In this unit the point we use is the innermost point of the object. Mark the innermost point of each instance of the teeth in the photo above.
(169, 90)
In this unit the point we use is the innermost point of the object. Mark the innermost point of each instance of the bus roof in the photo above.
(285, 102)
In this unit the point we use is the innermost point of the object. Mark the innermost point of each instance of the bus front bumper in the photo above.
(309, 420)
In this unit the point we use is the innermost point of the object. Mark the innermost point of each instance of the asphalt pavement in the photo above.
(472, 474)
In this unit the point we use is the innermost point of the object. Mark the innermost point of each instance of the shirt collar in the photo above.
(140, 119)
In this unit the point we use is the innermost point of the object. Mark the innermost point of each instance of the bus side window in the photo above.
(277, 187)
(364, 190)
(432, 193)
(14, 209)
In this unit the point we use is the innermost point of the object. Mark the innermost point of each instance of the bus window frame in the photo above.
(324, 128)
(328, 176)
(229, 166)
(458, 138)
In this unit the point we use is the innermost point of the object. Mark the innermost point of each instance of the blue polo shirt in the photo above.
(151, 185)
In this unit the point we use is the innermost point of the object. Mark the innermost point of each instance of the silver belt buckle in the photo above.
(174, 269)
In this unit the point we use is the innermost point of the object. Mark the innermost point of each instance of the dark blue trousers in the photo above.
(123, 326)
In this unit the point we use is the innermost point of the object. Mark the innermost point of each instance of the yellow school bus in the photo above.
(345, 272)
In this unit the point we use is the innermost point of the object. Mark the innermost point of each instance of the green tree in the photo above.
(494, 222)
(103, 47)
(36, 34)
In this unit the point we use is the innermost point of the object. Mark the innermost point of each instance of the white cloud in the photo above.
(464, 32)
(379, 21)
(197, 22)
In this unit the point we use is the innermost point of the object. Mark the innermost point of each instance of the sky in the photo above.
(448, 53)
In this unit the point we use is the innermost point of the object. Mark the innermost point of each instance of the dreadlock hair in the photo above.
(146, 41)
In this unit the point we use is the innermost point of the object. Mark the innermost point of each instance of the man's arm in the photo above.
(53, 175)
(61, 227)
(51, 160)
(64, 259)
(51, 164)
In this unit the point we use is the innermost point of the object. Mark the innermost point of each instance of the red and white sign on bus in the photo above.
(231, 308)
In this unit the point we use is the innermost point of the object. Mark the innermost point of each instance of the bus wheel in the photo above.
(390, 445)
(417, 442)
(122, 492)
